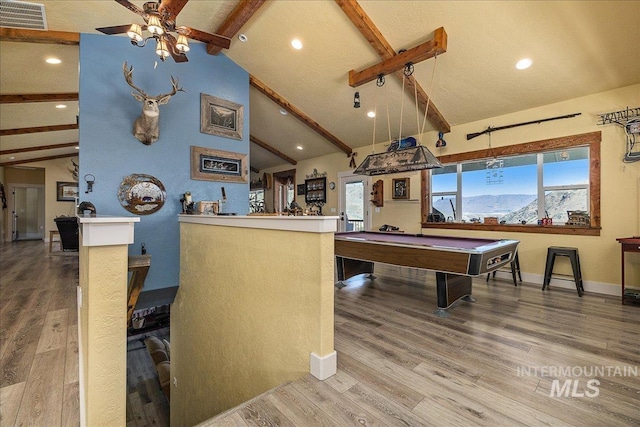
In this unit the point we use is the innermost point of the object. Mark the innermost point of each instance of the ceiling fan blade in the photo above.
(173, 7)
(133, 8)
(201, 36)
(118, 29)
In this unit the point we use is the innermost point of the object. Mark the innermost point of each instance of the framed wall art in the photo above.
(220, 117)
(400, 188)
(66, 191)
(217, 165)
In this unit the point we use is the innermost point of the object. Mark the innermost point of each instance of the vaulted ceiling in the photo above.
(578, 48)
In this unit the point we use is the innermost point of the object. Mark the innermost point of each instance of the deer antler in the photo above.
(175, 89)
(128, 76)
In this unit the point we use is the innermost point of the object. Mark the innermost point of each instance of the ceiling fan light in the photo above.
(154, 26)
(135, 33)
(182, 44)
(161, 49)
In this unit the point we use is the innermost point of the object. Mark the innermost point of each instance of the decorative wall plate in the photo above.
(141, 194)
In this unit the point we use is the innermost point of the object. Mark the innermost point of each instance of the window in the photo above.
(518, 185)
(256, 201)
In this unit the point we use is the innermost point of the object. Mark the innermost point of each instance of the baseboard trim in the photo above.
(589, 285)
(323, 367)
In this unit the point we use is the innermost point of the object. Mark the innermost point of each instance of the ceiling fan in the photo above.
(160, 22)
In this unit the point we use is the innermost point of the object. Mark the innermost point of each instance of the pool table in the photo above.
(454, 259)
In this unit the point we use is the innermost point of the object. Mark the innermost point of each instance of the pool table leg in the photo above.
(451, 288)
(347, 268)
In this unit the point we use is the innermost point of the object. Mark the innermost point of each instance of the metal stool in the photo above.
(572, 253)
(515, 268)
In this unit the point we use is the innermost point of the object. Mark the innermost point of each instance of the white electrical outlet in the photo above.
(333, 210)
(377, 210)
(175, 382)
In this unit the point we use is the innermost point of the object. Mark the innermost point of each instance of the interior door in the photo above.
(353, 202)
(27, 213)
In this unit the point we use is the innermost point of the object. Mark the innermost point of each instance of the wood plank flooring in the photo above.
(146, 403)
(38, 336)
(400, 365)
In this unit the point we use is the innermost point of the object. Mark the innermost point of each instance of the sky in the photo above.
(514, 180)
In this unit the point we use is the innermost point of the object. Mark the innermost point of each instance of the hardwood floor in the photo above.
(146, 403)
(38, 336)
(400, 365)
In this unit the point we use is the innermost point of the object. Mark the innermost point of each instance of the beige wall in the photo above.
(251, 307)
(620, 191)
(103, 331)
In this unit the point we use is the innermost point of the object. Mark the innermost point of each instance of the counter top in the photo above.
(310, 224)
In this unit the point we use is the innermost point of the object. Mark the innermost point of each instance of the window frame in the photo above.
(591, 140)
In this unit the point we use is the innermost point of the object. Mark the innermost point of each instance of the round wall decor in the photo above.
(141, 194)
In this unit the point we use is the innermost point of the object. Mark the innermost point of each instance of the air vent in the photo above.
(19, 14)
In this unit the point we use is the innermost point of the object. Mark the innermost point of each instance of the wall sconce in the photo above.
(356, 100)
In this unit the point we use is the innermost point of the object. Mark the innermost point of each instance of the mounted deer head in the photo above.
(74, 171)
(145, 128)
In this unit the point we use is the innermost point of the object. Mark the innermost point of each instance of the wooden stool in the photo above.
(572, 253)
(52, 234)
(139, 266)
(515, 268)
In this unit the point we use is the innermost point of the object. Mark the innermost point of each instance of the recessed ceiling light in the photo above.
(299, 147)
(371, 114)
(53, 60)
(243, 38)
(283, 112)
(523, 64)
(297, 44)
(12, 158)
(76, 147)
(60, 106)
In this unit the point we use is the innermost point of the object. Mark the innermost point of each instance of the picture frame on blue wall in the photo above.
(217, 165)
(221, 117)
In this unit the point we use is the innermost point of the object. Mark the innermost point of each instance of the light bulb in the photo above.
(182, 44)
(154, 26)
(135, 33)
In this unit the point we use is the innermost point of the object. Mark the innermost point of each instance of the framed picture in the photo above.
(208, 208)
(217, 165)
(66, 191)
(400, 188)
(300, 188)
(220, 117)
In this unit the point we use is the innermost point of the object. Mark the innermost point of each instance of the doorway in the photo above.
(353, 202)
(27, 212)
(283, 189)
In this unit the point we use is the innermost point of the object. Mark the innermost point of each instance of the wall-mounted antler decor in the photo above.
(145, 128)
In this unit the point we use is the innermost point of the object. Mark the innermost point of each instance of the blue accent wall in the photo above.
(110, 152)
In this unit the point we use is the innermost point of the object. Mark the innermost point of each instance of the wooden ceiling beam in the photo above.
(243, 11)
(38, 148)
(38, 97)
(52, 128)
(298, 114)
(270, 149)
(426, 50)
(38, 159)
(375, 38)
(37, 36)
